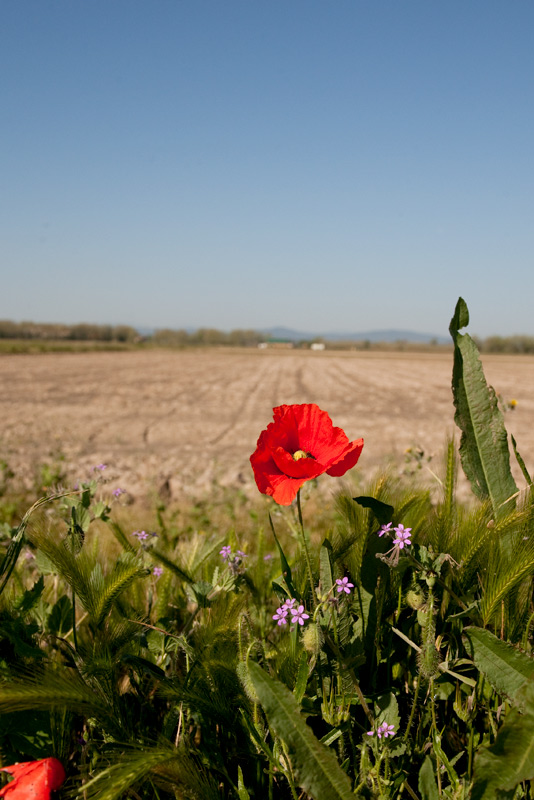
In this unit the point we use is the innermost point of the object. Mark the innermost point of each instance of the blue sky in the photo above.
(347, 165)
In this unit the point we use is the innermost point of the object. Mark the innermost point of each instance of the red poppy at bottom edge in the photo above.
(300, 444)
(33, 780)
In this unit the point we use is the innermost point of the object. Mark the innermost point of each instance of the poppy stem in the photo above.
(306, 549)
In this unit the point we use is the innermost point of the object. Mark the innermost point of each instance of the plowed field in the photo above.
(182, 420)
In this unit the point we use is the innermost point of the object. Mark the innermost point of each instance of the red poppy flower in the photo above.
(33, 780)
(300, 444)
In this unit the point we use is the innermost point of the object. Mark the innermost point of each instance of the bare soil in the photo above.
(178, 421)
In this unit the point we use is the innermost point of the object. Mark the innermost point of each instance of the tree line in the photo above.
(207, 337)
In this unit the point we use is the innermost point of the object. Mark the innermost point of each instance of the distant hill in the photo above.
(279, 332)
(392, 335)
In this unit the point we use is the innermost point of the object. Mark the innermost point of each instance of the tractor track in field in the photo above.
(187, 419)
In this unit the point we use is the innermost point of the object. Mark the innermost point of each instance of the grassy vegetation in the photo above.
(379, 646)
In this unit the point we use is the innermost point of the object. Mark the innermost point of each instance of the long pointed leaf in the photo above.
(315, 767)
(484, 443)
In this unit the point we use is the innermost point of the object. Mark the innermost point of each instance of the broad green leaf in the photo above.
(510, 760)
(484, 443)
(315, 767)
(382, 511)
(507, 669)
(387, 710)
(428, 787)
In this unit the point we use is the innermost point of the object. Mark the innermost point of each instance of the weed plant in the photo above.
(380, 648)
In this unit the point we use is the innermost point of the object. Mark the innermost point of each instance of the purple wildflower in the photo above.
(100, 467)
(241, 554)
(117, 492)
(157, 571)
(289, 603)
(141, 535)
(343, 585)
(267, 557)
(298, 615)
(226, 552)
(280, 616)
(385, 529)
(403, 536)
(385, 730)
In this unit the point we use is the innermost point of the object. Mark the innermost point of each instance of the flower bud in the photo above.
(313, 639)
(415, 598)
(246, 682)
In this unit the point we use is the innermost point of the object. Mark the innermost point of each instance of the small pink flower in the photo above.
(385, 730)
(343, 585)
(403, 536)
(298, 615)
(280, 616)
(385, 529)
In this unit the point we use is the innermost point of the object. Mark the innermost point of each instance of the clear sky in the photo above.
(347, 165)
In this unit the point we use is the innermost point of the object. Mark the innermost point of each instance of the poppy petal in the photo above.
(283, 490)
(302, 468)
(33, 780)
(347, 460)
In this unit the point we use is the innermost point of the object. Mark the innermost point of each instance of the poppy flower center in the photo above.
(298, 454)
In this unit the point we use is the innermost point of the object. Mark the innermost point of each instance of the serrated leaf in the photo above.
(507, 669)
(315, 767)
(60, 618)
(510, 760)
(484, 449)
(31, 596)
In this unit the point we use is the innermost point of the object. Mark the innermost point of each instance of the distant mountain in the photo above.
(292, 335)
(371, 336)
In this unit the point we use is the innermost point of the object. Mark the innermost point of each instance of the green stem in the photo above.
(435, 733)
(414, 704)
(306, 550)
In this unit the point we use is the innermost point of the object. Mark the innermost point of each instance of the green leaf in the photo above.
(286, 580)
(521, 463)
(484, 443)
(382, 511)
(428, 787)
(241, 788)
(315, 767)
(325, 566)
(510, 760)
(302, 678)
(31, 596)
(507, 669)
(59, 620)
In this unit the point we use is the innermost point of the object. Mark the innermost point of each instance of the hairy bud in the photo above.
(313, 639)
